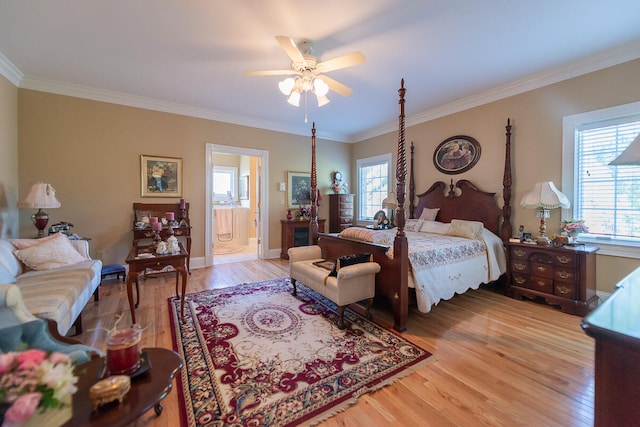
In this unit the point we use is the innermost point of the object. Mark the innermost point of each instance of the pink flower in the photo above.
(6, 360)
(29, 358)
(22, 409)
(56, 358)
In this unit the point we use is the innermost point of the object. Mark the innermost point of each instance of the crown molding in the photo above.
(594, 63)
(10, 71)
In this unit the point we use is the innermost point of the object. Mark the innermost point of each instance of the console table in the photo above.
(615, 325)
(160, 210)
(296, 233)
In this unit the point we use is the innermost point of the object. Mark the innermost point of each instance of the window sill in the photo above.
(619, 248)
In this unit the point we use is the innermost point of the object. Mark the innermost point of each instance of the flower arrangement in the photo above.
(337, 186)
(32, 380)
(304, 212)
(574, 226)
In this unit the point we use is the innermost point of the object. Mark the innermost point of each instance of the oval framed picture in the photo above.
(456, 154)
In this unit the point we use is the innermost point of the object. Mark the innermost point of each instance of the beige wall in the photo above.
(90, 152)
(536, 154)
(8, 158)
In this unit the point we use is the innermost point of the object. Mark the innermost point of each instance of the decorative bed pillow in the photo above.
(52, 253)
(27, 243)
(346, 260)
(365, 235)
(413, 224)
(429, 214)
(463, 228)
(436, 227)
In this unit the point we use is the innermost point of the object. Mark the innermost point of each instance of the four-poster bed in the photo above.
(462, 202)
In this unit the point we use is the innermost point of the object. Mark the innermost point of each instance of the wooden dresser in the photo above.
(615, 326)
(341, 212)
(296, 233)
(563, 276)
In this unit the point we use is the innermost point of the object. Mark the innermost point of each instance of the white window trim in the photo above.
(233, 171)
(608, 246)
(367, 161)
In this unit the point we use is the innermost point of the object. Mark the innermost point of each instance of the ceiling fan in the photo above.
(308, 73)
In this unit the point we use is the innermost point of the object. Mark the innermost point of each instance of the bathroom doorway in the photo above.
(235, 228)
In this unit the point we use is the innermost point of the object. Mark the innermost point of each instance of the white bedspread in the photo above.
(442, 266)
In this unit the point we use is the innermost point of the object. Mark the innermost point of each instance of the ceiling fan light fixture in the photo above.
(320, 87)
(294, 98)
(322, 100)
(286, 85)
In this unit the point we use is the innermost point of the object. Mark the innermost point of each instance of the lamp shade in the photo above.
(41, 196)
(390, 202)
(545, 195)
(630, 156)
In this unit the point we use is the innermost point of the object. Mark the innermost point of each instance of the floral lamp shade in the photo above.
(543, 197)
(40, 196)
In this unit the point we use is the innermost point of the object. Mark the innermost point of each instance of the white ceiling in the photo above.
(189, 56)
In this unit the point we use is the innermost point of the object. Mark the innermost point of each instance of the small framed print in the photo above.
(160, 176)
(298, 189)
(456, 154)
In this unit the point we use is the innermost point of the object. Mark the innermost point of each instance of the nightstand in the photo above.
(563, 276)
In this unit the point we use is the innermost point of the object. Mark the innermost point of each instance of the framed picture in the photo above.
(160, 176)
(298, 188)
(244, 187)
(456, 154)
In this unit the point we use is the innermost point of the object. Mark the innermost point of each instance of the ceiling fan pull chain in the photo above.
(306, 98)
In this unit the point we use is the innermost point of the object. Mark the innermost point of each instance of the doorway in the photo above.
(235, 229)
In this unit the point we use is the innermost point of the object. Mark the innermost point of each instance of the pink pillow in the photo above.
(429, 214)
(27, 243)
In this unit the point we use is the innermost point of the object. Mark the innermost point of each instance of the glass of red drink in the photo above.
(123, 350)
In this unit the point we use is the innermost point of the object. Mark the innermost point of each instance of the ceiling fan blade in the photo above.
(344, 61)
(270, 73)
(291, 49)
(336, 86)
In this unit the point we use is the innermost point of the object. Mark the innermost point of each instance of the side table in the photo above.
(147, 390)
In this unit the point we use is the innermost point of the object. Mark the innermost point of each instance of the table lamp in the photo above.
(41, 196)
(543, 197)
(390, 203)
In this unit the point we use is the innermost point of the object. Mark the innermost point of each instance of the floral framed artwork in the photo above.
(298, 188)
(160, 176)
(456, 154)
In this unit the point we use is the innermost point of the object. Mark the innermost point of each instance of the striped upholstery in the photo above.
(59, 294)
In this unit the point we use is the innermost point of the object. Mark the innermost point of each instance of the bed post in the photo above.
(313, 222)
(506, 230)
(400, 246)
(412, 186)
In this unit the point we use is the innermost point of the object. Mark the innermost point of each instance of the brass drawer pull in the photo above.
(520, 266)
(542, 283)
(563, 289)
(519, 280)
(563, 274)
(149, 234)
(563, 259)
(542, 268)
(519, 252)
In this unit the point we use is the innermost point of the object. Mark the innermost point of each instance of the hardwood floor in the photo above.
(498, 361)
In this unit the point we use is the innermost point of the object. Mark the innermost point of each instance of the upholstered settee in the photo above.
(56, 277)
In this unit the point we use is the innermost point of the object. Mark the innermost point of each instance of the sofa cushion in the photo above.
(5, 275)
(27, 243)
(51, 253)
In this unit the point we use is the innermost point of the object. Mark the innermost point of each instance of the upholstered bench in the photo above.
(350, 284)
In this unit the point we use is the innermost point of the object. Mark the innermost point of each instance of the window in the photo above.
(606, 197)
(373, 185)
(225, 181)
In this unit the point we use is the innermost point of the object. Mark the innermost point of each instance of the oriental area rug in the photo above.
(256, 355)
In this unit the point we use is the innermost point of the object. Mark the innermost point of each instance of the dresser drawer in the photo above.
(565, 260)
(564, 275)
(542, 270)
(518, 266)
(519, 253)
(542, 284)
(521, 280)
(565, 290)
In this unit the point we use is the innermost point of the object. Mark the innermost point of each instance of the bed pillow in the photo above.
(413, 224)
(49, 254)
(436, 227)
(365, 235)
(346, 260)
(463, 228)
(429, 214)
(27, 243)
